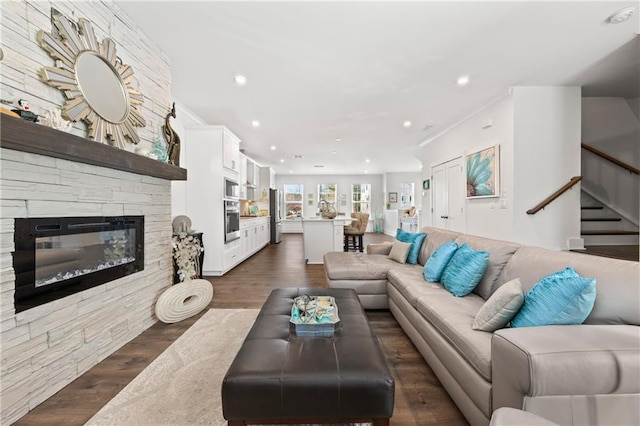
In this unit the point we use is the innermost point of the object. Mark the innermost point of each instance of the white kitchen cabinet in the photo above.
(204, 148)
(231, 151)
(243, 176)
(254, 235)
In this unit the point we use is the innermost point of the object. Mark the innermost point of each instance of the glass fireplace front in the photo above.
(55, 257)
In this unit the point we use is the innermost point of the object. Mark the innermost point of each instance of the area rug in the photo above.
(182, 386)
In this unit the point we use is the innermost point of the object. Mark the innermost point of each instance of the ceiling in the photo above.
(335, 81)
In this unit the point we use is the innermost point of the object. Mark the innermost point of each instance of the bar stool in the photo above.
(353, 234)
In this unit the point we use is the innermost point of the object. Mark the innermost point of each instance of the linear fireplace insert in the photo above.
(58, 256)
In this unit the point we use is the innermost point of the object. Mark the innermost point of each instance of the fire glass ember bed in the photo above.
(56, 257)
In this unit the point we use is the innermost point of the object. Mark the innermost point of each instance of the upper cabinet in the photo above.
(243, 176)
(253, 174)
(231, 151)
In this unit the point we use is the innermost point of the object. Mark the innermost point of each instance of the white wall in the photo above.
(546, 156)
(538, 129)
(483, 216)
(184, 118)
(343, 182)
(612, 126)
(393, 185)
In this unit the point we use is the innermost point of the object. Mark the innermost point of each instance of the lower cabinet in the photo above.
(254, 235)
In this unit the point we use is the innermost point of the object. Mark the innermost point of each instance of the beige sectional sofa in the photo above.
(571, 374)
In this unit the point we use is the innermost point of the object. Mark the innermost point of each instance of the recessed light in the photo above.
(273, 147)
(255, 123)
(282, 160)
(407, 123)
(621, 15)
(367, 160)
(366, 171)
(338, 139)
(240, 80)
(290, 171)
(463, 80)
(334, 152)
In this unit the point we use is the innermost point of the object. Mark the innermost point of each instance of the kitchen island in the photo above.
(322, 235)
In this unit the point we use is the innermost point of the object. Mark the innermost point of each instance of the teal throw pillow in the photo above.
(415, 239)
(464, 271)
(434, 267)
(560, 298)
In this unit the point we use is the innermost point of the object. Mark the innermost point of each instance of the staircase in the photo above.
(605, 233)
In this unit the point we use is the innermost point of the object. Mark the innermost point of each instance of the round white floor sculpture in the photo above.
(183, 300)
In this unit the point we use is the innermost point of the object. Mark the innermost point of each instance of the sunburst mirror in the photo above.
(95, 82)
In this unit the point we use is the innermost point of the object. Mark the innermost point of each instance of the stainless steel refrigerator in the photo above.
(275, 210)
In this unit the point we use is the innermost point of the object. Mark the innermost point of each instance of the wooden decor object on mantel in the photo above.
(21, 135)
(172, 138)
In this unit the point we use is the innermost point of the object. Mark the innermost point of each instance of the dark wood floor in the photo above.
(626, 252)
(420, 399)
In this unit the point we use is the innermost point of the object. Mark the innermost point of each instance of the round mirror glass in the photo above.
(102, 87)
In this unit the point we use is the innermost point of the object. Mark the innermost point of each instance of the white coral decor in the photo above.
(52, 118)
(186, 251)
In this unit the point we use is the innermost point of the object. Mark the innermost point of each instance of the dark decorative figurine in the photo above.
(172, 138)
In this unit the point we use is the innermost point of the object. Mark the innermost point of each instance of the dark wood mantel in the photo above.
(26, 136)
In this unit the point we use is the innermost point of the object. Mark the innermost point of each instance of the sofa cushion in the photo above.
(500, 308)
(357, 266)
(499, 254)
(408, 280)
(435, 238)
(464, 270)
(399, 251)
(434, 267)
(618, 294)
(562, 298)
(453, 316)
(416, 239)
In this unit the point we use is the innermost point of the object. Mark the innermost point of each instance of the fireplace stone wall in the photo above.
(45, 348)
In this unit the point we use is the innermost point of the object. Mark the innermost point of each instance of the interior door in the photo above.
(448, 196)
(456, 185)
(440, 192)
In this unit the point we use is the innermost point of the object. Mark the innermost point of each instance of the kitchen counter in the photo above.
(322, 235)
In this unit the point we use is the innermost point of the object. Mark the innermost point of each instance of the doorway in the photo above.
(448, 191)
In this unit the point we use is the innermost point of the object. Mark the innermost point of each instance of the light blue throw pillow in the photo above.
(464, 271)
(434, 267)
(561, 298)
(415, 239)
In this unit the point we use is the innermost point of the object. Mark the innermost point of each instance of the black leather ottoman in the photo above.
(278, 377)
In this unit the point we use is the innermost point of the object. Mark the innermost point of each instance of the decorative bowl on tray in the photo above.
(314, 316)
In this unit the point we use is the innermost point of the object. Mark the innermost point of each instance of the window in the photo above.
(327, 192)
(293, 200)
(406, 194)
(360, 198)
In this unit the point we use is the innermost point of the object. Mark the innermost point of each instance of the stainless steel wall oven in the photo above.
(232, 220)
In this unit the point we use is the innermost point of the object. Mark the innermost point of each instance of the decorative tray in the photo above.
(314, 316)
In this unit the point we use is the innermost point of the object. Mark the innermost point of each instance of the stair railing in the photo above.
(607, 157)
(555, 195)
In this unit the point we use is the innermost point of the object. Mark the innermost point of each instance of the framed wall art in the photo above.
(393, 197)
(483, 172)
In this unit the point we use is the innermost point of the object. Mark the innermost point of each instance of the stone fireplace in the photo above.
(73, 196)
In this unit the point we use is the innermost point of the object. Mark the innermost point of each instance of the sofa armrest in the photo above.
(506, 416)
(380, 248)
(532, 362)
